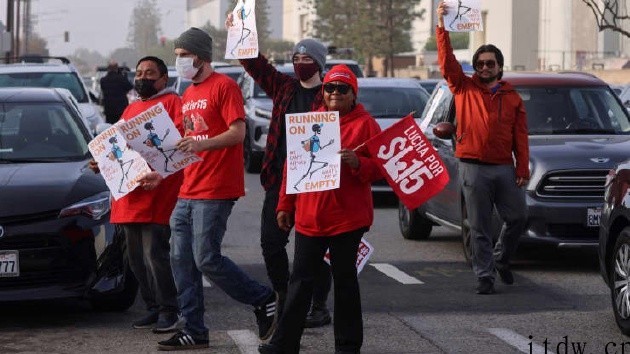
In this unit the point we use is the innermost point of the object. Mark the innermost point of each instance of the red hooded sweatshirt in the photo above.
(336, 211)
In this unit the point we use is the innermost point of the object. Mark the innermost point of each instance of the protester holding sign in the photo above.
(298, 94)
(215, 128)
(491, 129)
(333, 219)
(144, 215)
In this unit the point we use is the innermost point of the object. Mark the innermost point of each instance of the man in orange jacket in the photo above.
(491, 135)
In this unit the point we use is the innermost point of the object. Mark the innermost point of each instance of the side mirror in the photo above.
(444, 130)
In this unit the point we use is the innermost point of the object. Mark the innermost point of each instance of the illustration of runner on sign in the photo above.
(241, 15)
(463, 15)
(116, 154)
(153, 140)
(312, 145)
(242, 38)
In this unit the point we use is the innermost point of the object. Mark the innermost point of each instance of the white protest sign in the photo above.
(153, 135)
(120, 166)
(463, 16)
(363, 254)
(242, 37)
(313, 143)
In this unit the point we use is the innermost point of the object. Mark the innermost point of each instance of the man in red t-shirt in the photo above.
(144, 215)
(214, 129)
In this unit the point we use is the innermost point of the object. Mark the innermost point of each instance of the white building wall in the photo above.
(199, 13)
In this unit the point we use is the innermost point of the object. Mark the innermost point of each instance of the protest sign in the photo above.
(463, 16)
(242, 37)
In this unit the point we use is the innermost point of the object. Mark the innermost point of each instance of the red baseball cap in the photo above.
(342, 73)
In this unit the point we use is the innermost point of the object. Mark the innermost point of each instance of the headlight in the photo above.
(94, 207)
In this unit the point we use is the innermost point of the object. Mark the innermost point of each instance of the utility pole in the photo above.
(10, 17)
(17, 29)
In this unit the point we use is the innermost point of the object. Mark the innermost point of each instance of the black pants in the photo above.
(148, 248)
(348, 319)
(273, 242)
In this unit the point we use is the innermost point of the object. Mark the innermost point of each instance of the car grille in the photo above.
(573, 184)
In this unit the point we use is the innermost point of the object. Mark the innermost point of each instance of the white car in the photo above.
(38, 72)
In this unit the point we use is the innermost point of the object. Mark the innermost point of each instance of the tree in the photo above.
(144, 26)
(611, 15)
(371, 27)
(459, 40)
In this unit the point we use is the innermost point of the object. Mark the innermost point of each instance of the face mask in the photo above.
(185, 67)
(145, 87)
(305, 71)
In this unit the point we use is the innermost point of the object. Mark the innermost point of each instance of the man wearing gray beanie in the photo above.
(302, 93)
(213, 116)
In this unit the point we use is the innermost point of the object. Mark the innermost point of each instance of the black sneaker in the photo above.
(266, 316)
(183, 341)
(147, 321)
(505, 274)
(485, 286)
(167, 322)
(317, 318)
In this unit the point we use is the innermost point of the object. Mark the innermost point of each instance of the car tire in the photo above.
(413, 225)
(119, 301)
(466, 240)
(619, 271)
(251, 159)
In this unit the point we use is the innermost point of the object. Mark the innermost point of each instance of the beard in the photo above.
(487, 80)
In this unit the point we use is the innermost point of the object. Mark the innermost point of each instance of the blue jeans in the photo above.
(197, 230)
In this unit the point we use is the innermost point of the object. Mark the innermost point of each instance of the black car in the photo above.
(55, 236)
(614, 243)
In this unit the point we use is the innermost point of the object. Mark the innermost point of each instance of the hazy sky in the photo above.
(101, 25)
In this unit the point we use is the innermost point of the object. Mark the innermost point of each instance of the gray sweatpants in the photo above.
(485, 187)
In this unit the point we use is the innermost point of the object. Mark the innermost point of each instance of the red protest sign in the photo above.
(409, 162)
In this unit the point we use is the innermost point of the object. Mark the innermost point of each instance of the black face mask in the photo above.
(145, 87)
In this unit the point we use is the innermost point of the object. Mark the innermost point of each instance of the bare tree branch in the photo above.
(611, 15)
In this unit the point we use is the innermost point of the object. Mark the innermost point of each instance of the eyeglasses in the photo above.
(342, 89)
(490, 64)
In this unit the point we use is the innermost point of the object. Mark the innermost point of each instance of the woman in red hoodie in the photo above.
(333, 219)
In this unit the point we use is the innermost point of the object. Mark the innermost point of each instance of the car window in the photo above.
(41, 132)
(393, 102)
(69, 81)
(437, 110)
(573, 110)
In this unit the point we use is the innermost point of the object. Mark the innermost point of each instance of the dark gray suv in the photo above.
(578, 131)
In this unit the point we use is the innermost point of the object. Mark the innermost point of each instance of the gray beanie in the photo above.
(197, 42)
(314, 49)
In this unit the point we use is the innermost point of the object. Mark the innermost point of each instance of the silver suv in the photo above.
(578, 130)
(53, 72)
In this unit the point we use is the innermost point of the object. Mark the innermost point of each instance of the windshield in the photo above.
(68, 81)
(40, 132)
(573, 110)
(393, 102)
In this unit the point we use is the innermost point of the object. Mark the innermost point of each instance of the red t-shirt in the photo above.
(154, 206)
(209, 108)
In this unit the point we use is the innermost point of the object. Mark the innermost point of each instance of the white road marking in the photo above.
(516, 340)
(246, 341)
(395, 273)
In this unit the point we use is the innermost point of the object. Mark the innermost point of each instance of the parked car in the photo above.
(58, 72)
(257, 115)
(352, 64)
(578, 131)
(55, 236)
(614, 243)
(429, 84)
(388, 100)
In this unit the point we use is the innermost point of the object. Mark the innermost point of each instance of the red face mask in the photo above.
(305, 71)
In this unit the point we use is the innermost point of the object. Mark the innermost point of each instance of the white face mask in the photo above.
(185, 67)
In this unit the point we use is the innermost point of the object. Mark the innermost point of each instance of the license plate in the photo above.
(592, 217)
(9, 264)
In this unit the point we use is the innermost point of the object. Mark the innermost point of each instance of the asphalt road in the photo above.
(418, 297)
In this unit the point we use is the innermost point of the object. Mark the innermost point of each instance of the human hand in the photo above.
(189, 144)
(285, 221)
(93, 165)
(349, 157)
(521, 181)
(150, 180)
(441, 10)
(229, 20)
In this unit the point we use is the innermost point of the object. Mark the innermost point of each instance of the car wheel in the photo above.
(619, 270)
(466, 239)
(119, 301)
(413, 225)
(251, 159)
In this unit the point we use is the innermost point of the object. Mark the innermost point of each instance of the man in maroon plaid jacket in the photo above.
(302, 93)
